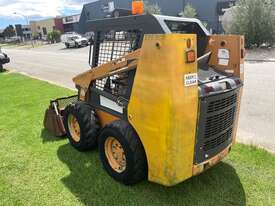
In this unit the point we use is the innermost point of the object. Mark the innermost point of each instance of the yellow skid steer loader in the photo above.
(161, 100)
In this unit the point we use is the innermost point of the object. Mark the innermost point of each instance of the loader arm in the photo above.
(123, 64)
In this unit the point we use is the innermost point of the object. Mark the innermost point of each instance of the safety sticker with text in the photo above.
(223, 57)
(190, 79)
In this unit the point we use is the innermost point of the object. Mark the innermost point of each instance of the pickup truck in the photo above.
(75, 41)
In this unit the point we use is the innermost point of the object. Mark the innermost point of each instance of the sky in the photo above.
(18, 11)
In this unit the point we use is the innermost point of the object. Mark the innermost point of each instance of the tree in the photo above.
(227, 19)
(151, 8)
(9, 31)
(35, 35)
(188, 12)
(256, 20)
(54, 36)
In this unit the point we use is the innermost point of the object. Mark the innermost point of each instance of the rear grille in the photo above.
(215, 126)
(213, 143)
(222, 103)
(217, 123)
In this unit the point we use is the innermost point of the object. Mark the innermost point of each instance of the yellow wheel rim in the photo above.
(115, 154)
(74, 128)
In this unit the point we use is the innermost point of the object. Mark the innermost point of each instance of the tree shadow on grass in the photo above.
(92, 186)
(47, 137)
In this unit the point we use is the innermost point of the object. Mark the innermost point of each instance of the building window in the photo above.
(38, 27)
(44, 31)
(88, 15)
(69, 19)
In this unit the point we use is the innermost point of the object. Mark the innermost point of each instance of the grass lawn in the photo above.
(38, 169)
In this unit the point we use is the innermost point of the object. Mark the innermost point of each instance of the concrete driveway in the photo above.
(257, 121)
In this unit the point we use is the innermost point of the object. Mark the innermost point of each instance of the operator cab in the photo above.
(116, 37)
(127, 35)
(139, 25)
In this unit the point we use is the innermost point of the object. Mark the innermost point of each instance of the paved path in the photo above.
(257, 120)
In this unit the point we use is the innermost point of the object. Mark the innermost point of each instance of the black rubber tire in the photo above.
(88, 123)
(136, 161)
(67, 45)
(77, 45)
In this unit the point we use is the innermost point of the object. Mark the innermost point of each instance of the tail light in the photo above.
(190, 56)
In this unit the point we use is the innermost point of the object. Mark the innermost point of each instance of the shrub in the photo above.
(54, 36)
(151, 8)
(188, 12)
(256, 20)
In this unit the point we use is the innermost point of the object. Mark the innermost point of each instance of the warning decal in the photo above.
(223, 57)
(190, 79)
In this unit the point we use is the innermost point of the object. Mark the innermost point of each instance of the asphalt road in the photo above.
(52, 63)
(257, 119)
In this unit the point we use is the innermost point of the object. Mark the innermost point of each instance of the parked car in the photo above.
(75, 41)
(4, 59)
